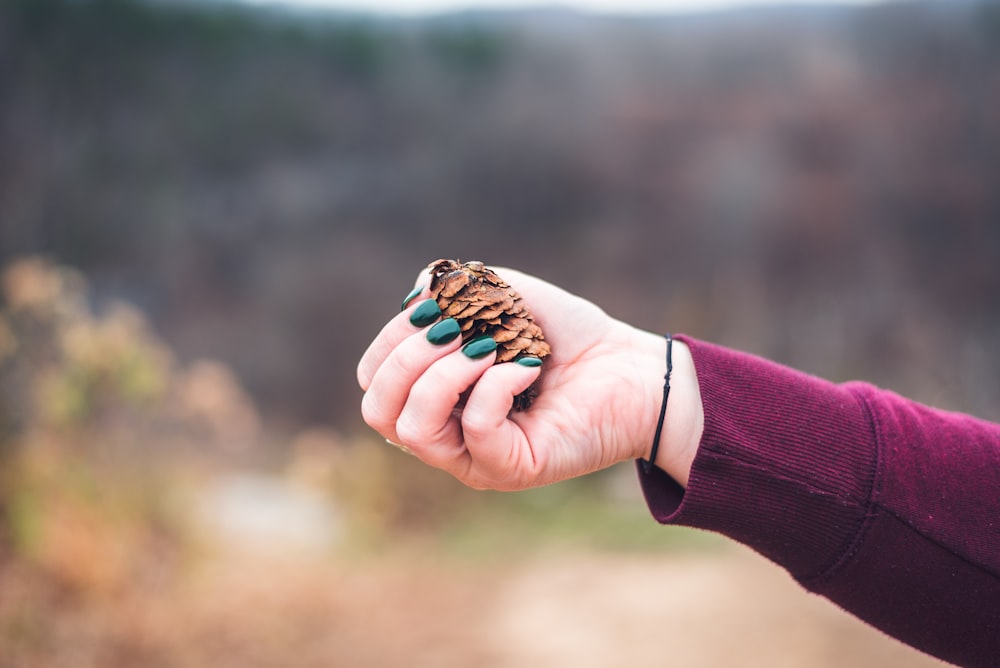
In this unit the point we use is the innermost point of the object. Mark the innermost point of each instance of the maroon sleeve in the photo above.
(888, 508)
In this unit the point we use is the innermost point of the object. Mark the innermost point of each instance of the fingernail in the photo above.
(425, 313)
(529, 361)
(444, 332)
(479, 348)
(410, 297)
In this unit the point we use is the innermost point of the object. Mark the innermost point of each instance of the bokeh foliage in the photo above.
(815, 185)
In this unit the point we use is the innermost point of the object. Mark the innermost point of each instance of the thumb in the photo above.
(499, 449)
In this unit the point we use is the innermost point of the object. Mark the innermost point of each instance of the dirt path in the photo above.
(731, 609)
(412, 609)
(726, 608)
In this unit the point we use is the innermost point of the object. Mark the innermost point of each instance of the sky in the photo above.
(417, 7)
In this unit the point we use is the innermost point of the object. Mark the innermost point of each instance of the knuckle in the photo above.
(410, 431)
(397, 365)
(371, 411)
(477, 424)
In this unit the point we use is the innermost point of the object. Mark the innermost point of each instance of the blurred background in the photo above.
(208, 209)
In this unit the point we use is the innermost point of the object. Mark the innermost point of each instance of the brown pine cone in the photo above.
(484, 304)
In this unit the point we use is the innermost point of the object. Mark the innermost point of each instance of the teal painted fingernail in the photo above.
(529, 361)
(444, 332)
(479, 348)
(410, 297)
(425, 313)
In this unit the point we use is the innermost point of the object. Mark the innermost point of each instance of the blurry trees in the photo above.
(816, 185)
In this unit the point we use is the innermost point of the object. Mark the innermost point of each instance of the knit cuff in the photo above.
(786, 462)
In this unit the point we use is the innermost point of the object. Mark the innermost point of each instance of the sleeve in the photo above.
(888, 508)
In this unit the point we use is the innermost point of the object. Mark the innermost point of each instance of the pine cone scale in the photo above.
(504, 335)
(489, 314)
(454, 285)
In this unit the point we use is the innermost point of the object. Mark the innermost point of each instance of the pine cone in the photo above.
(483, 304)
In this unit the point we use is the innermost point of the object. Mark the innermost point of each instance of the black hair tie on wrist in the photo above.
(647, 464)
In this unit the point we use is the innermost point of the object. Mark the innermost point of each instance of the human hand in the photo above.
(599, 395)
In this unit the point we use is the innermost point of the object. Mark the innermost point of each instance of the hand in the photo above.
(599, 395)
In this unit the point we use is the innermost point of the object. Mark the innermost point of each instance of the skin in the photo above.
(599, 397)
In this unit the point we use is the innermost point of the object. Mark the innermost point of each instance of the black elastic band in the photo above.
(647, 464)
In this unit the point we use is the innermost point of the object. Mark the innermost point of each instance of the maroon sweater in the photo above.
(886, 507)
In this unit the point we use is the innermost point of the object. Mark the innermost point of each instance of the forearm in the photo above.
(815, 476)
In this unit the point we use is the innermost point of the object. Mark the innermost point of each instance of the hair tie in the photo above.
(647, 464)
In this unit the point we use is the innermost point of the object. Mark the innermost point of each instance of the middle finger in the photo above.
(397, 329)
(390, 386)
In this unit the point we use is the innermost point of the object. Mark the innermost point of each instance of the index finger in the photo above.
(392, 334)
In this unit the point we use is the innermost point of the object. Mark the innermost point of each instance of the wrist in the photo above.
(684, 418)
